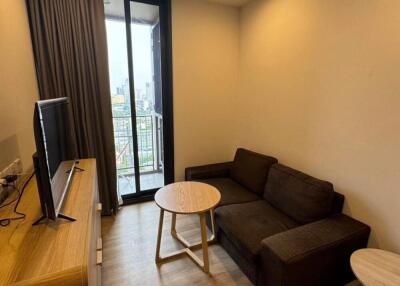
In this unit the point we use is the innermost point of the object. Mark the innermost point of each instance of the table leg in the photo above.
(204, 242)
(173, 225)
(160, 226)
(213, 235)
(204, 265)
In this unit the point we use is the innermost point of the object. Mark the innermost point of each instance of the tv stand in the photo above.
(55, 253)
(60, 215)
(76, 169)
(63, 216)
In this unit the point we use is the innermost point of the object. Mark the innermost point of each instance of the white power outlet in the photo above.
(14, 168)
(20, 167)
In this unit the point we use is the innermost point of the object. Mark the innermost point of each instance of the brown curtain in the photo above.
(69, 42)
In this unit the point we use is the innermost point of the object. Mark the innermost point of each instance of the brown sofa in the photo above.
(281, 226)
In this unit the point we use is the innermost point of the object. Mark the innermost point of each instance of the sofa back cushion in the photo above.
(300, 196)
(250, 169)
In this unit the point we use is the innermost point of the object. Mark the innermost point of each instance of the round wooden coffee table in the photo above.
(376, 267)
(187, 198)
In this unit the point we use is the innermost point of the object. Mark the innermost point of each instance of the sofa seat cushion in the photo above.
(231, 192)
(246, 225)
(250, 169)
(300, 196)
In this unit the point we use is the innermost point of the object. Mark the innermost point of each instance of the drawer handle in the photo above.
(99, 244)
(99, 207)
(99, 257)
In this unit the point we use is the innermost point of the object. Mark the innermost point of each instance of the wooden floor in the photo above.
(129, 244)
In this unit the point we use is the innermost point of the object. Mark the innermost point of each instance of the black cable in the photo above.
(7, 221)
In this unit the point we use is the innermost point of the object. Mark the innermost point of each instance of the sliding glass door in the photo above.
(139, 43)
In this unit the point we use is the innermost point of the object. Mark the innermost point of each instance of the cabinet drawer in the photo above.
(96, 255)
(99, 257)
(98, 275)
(99, 244)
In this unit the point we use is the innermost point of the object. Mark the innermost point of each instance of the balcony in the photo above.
(149, 133)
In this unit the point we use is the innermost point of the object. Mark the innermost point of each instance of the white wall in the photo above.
(205, 66)
(320, 90)
(18, 86)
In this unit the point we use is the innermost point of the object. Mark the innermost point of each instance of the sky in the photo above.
(117, 54)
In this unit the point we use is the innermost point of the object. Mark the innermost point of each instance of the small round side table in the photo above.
(187, 198)
(376, 267)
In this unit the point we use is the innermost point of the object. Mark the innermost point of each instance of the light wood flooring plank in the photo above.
(129, 245)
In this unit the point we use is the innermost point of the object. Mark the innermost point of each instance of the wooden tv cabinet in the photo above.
(55, 253)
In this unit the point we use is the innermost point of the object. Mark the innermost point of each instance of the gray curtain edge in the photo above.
(70, 51)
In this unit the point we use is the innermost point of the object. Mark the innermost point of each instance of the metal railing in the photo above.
(149, 143)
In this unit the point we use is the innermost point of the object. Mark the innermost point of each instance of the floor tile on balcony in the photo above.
(126, 184)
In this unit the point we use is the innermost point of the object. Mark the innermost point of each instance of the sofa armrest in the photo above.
(208, 171)
(313, 254)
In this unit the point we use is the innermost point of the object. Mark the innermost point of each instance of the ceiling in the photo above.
(149, 13)
(140, 13)
(236, 3)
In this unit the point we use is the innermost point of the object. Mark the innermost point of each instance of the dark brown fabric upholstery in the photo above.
(231, 192)
(247, 224)
(314, 254)
(300, 196)
(250, 169)
(70, 48)
(300, 238)
(208, 171)
(249, 267)
(338, 202)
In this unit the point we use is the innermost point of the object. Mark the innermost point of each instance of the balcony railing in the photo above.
(149, 143)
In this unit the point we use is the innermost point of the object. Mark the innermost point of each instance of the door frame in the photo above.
(167, 98)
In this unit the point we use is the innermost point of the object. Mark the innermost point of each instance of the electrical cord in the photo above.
(6, 221)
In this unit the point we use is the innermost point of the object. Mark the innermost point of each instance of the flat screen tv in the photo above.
(55, 157)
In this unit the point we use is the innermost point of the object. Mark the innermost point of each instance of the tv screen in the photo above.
(55, 153)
